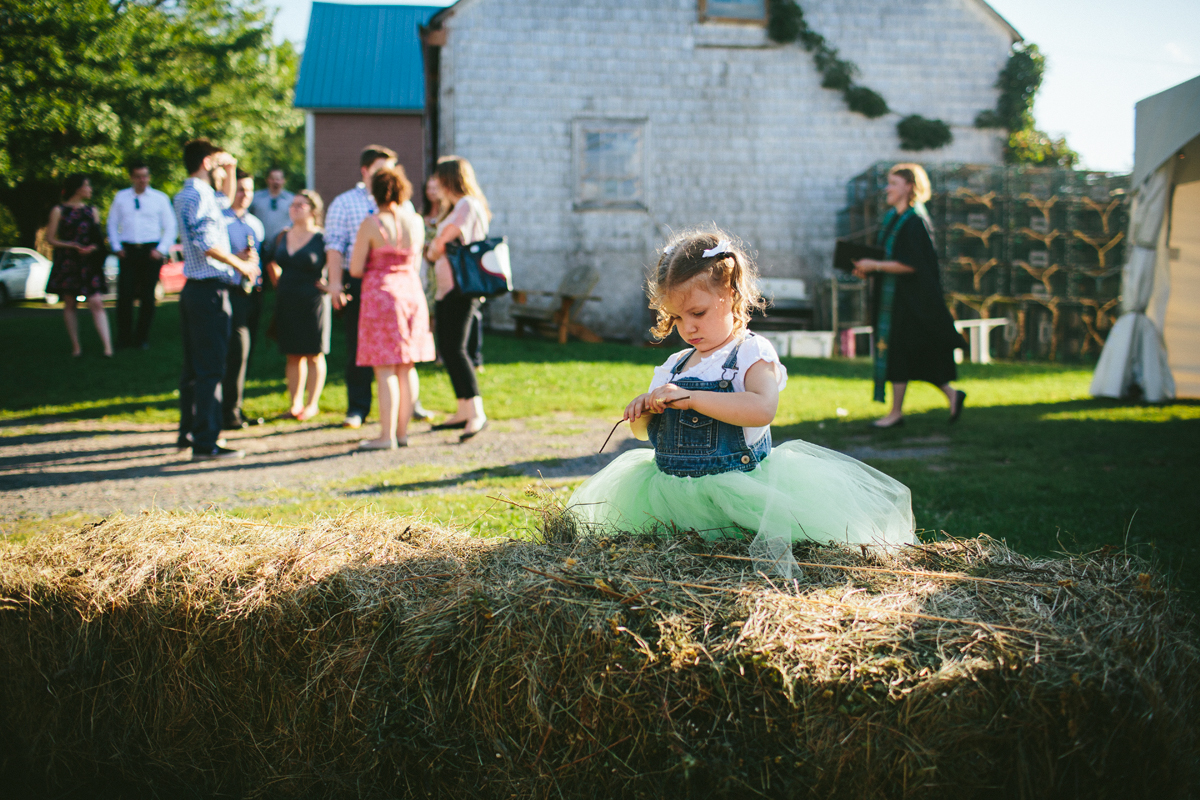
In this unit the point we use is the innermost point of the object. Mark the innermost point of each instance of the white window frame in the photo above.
(580, 128)
(706, 17)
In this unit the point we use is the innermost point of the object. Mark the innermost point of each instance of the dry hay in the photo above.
(372, 657)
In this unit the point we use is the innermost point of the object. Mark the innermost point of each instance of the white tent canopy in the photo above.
(1157, 338)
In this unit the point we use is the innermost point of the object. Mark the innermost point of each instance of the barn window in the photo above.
(733, 10)
(610, 164)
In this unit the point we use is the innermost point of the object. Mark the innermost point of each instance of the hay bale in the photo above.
(371, 657)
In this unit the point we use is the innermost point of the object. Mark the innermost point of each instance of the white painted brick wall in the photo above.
(740, 132)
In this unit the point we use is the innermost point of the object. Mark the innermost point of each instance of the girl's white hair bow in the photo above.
(722, 247)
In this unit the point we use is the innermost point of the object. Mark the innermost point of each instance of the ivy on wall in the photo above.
(918, 133)
(786, 24)
(1018, 83)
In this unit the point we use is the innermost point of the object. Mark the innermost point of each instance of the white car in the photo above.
(23, 274)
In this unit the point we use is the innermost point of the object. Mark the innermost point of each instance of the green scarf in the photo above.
(883, 326)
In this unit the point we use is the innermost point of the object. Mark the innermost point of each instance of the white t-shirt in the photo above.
(754, 349)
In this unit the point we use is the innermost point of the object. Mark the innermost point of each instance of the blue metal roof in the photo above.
(363, 57)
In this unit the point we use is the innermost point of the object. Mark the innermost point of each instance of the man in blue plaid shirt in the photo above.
(342, 220)
(204, 306)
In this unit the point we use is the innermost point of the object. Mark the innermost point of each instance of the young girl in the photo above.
(708, 414)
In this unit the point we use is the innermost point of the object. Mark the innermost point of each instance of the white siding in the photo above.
(739, 130)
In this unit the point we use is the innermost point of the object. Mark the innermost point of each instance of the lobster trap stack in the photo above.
(1041, 247)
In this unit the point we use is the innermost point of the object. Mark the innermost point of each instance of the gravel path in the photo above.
(99, 468)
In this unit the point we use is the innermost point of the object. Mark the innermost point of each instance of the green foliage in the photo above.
(866, 101)
(1019, 83)
(87, 86)
(836, 73)
(1032, 146)
(918, 133)
(10, 235)
(785, 21)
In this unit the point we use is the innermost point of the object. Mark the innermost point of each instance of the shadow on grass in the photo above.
(174, 469)
(1045, 477)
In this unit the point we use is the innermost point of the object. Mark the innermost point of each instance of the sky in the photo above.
(1102, 57)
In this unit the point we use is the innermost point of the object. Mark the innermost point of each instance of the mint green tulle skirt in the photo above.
(800, 492)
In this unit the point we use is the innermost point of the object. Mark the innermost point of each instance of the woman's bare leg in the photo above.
(388, 385)
(314, 385)
(471, 409)
(896, 414)
(404, 409)
(297, 369)
(414, 387)
(100, 317)
(72, 323)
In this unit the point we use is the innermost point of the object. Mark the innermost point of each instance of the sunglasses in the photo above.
(137, 204)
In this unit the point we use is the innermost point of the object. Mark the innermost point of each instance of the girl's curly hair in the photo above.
(683, 259)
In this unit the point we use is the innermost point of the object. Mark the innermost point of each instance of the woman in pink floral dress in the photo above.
(393, 323)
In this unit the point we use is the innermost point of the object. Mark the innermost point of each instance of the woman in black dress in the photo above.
(302, 306)
(75, 233)
(915, 337)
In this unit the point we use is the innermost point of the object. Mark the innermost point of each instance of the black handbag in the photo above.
(481, 269)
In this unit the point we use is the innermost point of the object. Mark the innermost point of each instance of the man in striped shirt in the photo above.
(342, 220)
(204, 306)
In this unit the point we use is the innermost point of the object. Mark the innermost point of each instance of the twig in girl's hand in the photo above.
(610, 435)
(614, 427)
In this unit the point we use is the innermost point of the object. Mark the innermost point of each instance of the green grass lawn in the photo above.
(1034, 460)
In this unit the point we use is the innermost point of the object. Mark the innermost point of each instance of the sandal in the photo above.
(474, 433)
(378, 444)
(958, 407)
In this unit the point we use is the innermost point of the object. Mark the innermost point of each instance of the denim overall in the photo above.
(689, 444)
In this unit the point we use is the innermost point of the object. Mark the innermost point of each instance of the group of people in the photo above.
(366, 259)
(708, 410)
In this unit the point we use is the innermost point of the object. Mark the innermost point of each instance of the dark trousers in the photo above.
(358, 379)
(454, 314)
(247, 308)
(205, 314)
(475, 339)
(136, 281)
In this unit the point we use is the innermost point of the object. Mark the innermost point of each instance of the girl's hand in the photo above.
(865, 266)
(669, 395)
(637, 407)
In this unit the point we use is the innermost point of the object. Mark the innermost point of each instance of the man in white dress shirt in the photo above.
(141, 228)
(270, 205)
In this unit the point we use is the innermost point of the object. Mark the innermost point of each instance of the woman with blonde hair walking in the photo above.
(915, 337)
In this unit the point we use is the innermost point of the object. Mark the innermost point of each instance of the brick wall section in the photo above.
(340, 138)
(739, 130)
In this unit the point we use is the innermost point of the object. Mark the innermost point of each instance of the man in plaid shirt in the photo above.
(342, 220)
(204, 307)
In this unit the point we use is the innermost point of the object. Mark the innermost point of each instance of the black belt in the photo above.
(152, 245)
(213, 282)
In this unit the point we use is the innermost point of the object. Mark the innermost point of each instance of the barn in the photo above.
(362, 82)
(597, 126)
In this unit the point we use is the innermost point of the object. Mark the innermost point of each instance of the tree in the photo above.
(89, 85)
(1018, 83)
